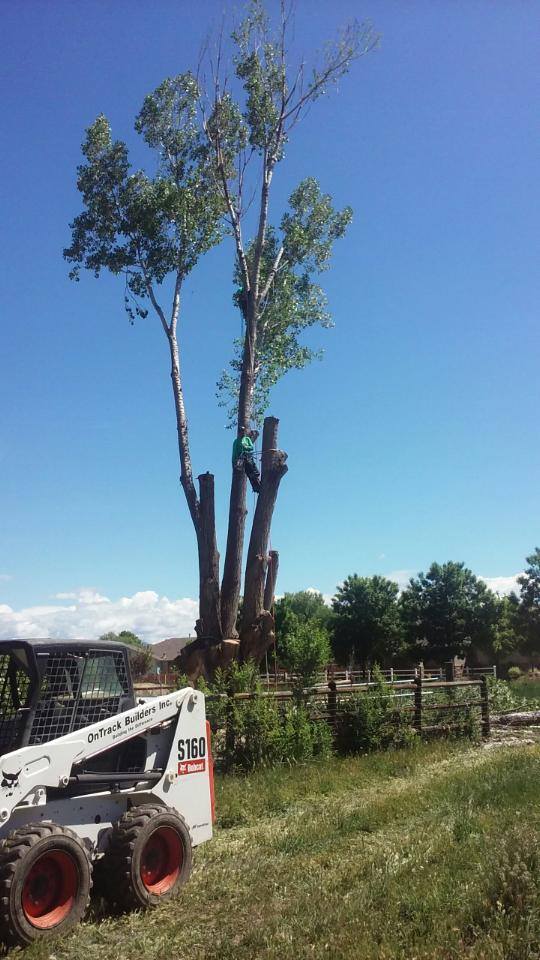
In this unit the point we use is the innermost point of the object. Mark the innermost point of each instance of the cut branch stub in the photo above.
(257, 630)
(271, 578)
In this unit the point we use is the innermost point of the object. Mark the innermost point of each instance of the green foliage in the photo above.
(366, 622)
(140, 656)
(262, 70)
(259, 731)
(529, 607)
(304, 650)
(304, 605)
(147, 227)
(514, 673)
(508, 628)
(448, 610)
(301, 737)
(527, 690)
(371, 721)
(274, 277)
(294, 302)
(507, 697)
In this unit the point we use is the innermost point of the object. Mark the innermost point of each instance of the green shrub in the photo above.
(258, 731)
(371, 721)
(304, 650)
(302, 738)
(514, 673)
(501, 696)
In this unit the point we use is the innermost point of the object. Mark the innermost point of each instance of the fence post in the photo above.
(230, 737)
(418, 703)
(494, 668)
(417, 723)
(391, 674)
(486, 725)
(332, 703)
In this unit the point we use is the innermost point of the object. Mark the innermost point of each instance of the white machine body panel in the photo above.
(174, 727)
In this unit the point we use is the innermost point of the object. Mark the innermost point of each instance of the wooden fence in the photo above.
(281, 682)
(417, 698)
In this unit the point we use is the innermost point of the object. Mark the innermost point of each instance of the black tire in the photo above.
(149, 857)
(45, 882)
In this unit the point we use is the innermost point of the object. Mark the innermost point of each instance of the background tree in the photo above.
(448, 610)
(140, 653)
(304, 651)
(212, 153)
(304, 606)
(529, 606)
(508, 634)
(366, 623)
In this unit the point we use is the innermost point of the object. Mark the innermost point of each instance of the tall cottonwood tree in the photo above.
(217, 151)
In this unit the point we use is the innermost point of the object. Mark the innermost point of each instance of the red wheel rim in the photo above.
(161, 860)
(49, 889)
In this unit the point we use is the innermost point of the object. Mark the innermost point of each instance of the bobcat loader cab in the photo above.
(92, 777)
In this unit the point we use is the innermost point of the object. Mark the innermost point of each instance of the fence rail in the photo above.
(154, 684)
(334, 696)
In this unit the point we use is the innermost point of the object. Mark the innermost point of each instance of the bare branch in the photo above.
(156, 306)
(364, 45)
(272, 274)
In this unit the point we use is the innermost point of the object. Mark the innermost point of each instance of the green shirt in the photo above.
(242, 446)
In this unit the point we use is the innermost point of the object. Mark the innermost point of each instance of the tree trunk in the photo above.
(257, 629)
(232, 570)
(186, 473)
(209, 605)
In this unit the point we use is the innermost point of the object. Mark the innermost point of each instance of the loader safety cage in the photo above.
(51, 687)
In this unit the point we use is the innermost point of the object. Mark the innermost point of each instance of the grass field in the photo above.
(430, 853)
(528, 689)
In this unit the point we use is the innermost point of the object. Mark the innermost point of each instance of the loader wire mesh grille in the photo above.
(14, 691)
(77, 691)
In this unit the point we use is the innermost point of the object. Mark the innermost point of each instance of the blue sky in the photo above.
(415, 439)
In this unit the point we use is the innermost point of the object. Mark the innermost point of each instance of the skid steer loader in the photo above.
(93, 778)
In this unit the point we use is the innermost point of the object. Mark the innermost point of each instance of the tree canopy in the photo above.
(366, 620)
(303, 605)
(448, 610)
(529, 608)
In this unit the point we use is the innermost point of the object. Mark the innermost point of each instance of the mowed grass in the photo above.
(430, 853)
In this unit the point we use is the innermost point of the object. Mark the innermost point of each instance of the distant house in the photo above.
(165, 653)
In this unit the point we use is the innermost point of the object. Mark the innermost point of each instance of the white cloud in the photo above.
(88, 613)
(85, 596)
(150, 616)
(5, 577)
(503, 585)
(401, 577)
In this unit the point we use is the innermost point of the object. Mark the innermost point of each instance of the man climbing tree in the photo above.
(216, 156)
(243, 456)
